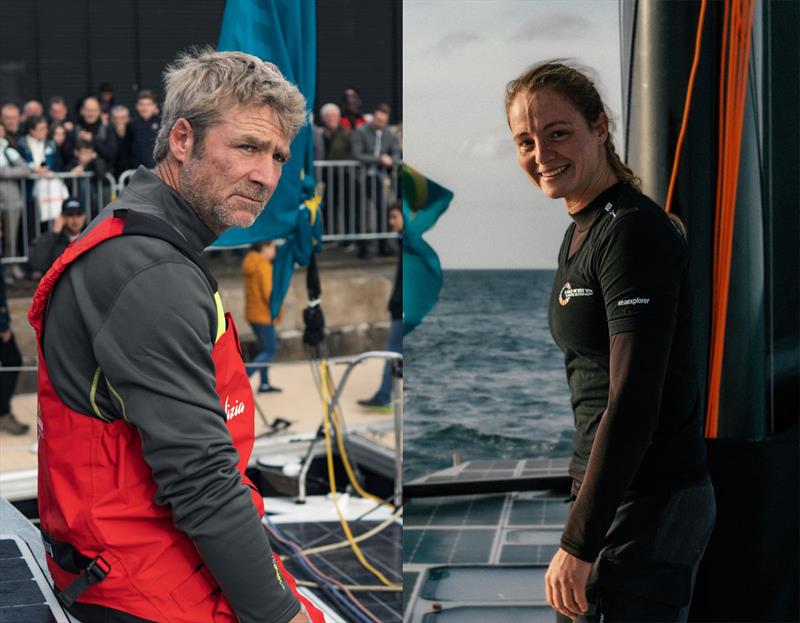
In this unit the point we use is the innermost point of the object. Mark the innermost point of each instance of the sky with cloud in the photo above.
(458, 56)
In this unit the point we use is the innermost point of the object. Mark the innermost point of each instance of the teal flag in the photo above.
(283, 32)
(424, 201)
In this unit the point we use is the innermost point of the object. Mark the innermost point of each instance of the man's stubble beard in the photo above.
(194, 176)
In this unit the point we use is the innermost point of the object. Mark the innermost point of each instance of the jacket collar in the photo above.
(164, 202)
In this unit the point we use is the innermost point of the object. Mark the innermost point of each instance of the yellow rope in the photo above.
(378, 588)
(327, 379)
(331, 476)
(361, 537)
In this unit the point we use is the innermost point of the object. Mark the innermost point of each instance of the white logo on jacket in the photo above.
(634, 301)
(567, 292)
(231, 411)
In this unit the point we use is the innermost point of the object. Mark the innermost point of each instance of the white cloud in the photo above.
(454, 41)
(487, 147)
(454, 125)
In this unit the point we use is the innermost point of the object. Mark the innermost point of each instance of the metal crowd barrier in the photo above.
(24, 223)
(355, 202)
(356, 199)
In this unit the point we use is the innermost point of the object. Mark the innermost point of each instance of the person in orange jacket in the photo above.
(257, 271)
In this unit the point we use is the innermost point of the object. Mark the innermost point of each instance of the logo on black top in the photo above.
(278, 573)
(567, 292)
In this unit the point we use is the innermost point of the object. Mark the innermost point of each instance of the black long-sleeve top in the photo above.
(620, 313)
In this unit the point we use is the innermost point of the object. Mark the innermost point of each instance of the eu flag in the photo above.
(282, 32)
(424, 201)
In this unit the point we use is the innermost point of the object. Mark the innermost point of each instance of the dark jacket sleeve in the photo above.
(41, 254)
(154, 347)
(19, 169)
(638, 366)
(360, 149)
(105, 144)
(393, 148)
(5, 320)
(395, 306)
(25, 152)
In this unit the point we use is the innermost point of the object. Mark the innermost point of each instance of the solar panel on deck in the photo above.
(476, 469)
(485, 585)
(529, 545)
(497, 464)
(447, 546)
(527, 553)
(382, 550)
(456, 520)
(457, 510)
(539, 512)
(25, 596)
(491, 614)
(491, 476)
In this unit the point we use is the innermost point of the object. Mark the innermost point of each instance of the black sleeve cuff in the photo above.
(290, 612)
(582, 553)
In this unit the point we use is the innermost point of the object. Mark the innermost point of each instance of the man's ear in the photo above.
(181, 140)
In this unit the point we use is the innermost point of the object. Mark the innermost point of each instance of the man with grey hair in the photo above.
(10, 119)
(32, 108)
(146, 413)
(332, 140)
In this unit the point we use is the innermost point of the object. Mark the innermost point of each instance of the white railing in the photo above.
(356, 199)
(24, 222)
(355, 202)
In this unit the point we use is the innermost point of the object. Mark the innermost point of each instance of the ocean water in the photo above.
(482, 375)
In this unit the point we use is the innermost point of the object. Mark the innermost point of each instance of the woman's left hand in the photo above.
(565, 583)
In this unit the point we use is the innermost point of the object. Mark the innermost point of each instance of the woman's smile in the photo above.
(557, 148)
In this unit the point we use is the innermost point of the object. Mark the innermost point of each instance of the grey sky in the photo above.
(458, 56)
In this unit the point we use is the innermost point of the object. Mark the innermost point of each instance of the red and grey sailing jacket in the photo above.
(108, 542)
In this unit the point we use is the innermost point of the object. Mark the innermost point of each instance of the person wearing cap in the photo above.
(66, 228)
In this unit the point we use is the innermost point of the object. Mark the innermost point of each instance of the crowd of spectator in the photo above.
(118, 139)
(98, 136)
(345, 133)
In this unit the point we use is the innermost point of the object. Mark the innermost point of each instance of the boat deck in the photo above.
(370, 442)
(299, 403)
(383, 551)
(483, 557)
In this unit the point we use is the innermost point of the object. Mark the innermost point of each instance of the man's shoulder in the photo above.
(47, 237)
(22, 148)
(122, 257)
(637, 227)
